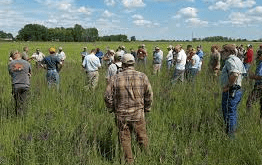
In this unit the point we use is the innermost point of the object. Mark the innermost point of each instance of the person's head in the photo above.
(259, 56)
(191, 52)
(249, 46)
(260, 46)
(85, 49)
(97, 50)
(93, 51)
(199, 47)
(131, 50)
(51, 50)
(143, 46)
(177, 48)
(37, 50)
(60, 49)
(157, 49)
(228, 49)
(215, 48)
(117, 57)
(26, 49)
(111, 52)
(123, 47)
(128, 60)
(170, 47)
(12, 54)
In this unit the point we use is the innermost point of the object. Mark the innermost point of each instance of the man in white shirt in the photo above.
(61, 54)
(180, 64)
(91, 64)
(169, 57)
(38, 57)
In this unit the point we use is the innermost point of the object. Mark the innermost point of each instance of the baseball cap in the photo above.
(52, 50)
(60, 48)
(128, 59)
(156, 48)
(112, 51)
(84, 47)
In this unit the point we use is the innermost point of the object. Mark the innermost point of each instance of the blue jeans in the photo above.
(229, 108)
(192, 74)
(169, 64)
(247, 66)
(52, 77)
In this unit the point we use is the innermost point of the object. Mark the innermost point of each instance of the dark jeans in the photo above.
(125, 130)
(229, 108)
(20, 96)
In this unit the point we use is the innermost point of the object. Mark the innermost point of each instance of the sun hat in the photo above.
(128, 59)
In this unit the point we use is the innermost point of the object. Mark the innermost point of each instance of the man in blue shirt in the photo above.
(53, 66)
(91, 64)
(157, 60)
(100, 55)
(200, 53)
(257, 91)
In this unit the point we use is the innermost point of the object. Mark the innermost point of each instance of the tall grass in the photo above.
(73, 126)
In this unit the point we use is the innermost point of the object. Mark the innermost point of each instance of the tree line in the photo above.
(36, 32)
(4, 35)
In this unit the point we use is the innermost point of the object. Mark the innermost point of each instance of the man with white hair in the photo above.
(129, 95)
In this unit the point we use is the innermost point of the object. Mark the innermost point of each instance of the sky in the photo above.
(145, 19)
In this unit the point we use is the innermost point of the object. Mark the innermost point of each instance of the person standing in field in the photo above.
(180, 59)
(214, 63)
(231, 78)
(61, 54)
(109, 57)
(142, 54)
(249, 57)
(91, 64)
(187, 69)
(20, 72)
(157, 60)
(133, 52)
(115, 67)
(24, 54)
(84, 53)
(200, 53)
(257, 91)
(38, 57)
(193, 64)
(100, 55)
(53, 65)
(241, 53)
(129, 95)
(169, 57)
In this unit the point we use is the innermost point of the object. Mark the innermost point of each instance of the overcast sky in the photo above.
(145, 19)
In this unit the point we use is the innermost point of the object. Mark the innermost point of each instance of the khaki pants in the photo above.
(125, 130)
(157, 68)
(92, 78)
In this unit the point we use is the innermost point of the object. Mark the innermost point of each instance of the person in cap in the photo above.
(91, 64)
(180, 59)
(38, 57)
(20, 72)
(61, 54)
(193, 64)
(169, 57)
(115, 67)
(200, 53)
(84, 53)
(129, 95)
(257, 91)
(24, 54)
(142, 55)
(109, 57)
(214, 62)
(157, 60)
(249, 57)
(100, 55)
(53, 65)
(231, 78)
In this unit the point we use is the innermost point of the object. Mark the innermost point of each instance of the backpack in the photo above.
(119, 69)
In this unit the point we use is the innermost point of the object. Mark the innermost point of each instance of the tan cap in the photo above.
(112, 51)
(60, 48)
(84, 47)
(128, 59)
(156, 48)
(143, 45)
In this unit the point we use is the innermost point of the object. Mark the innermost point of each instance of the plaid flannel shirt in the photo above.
(129, 95)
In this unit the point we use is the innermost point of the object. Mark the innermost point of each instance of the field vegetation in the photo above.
(73, 126)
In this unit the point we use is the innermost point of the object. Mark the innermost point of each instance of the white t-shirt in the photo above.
(38, 57)
(181, 56)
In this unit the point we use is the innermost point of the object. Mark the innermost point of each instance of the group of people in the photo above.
(129, 94)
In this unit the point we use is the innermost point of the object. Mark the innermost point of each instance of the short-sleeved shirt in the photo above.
(38, 57)
(169, 55)
(259, 73)
(249, 56)
(99, 54)
(91, 63)
(113, 69)
(19, 69)
(182, 57)
(141, 53)
(51, 62)
(61, 55)
(158, 57)
(200, 53)
(232, 65)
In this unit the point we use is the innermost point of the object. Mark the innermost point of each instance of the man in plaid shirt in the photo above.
(129, 95)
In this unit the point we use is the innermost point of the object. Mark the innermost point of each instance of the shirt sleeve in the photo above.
(148, 96)
(84, 62)
(108, 96)
(232, 68)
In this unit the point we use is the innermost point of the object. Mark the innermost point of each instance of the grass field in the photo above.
(73, 126)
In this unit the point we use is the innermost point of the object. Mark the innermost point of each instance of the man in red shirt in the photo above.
(249, 57)
(142, 54)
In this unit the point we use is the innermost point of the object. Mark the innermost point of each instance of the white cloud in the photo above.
(133, 3)
(107, 14)
(6, 2)
(227, 4)
(84, 10)
(110, 2)
(196, 22)
(256, 11)
(188, 12)
(137, 16)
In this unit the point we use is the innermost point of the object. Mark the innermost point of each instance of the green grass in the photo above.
(73, 126)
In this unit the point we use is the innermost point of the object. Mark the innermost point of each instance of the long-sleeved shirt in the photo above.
(91, 63)
(129, 95)
(169, 55)
(158, 57)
